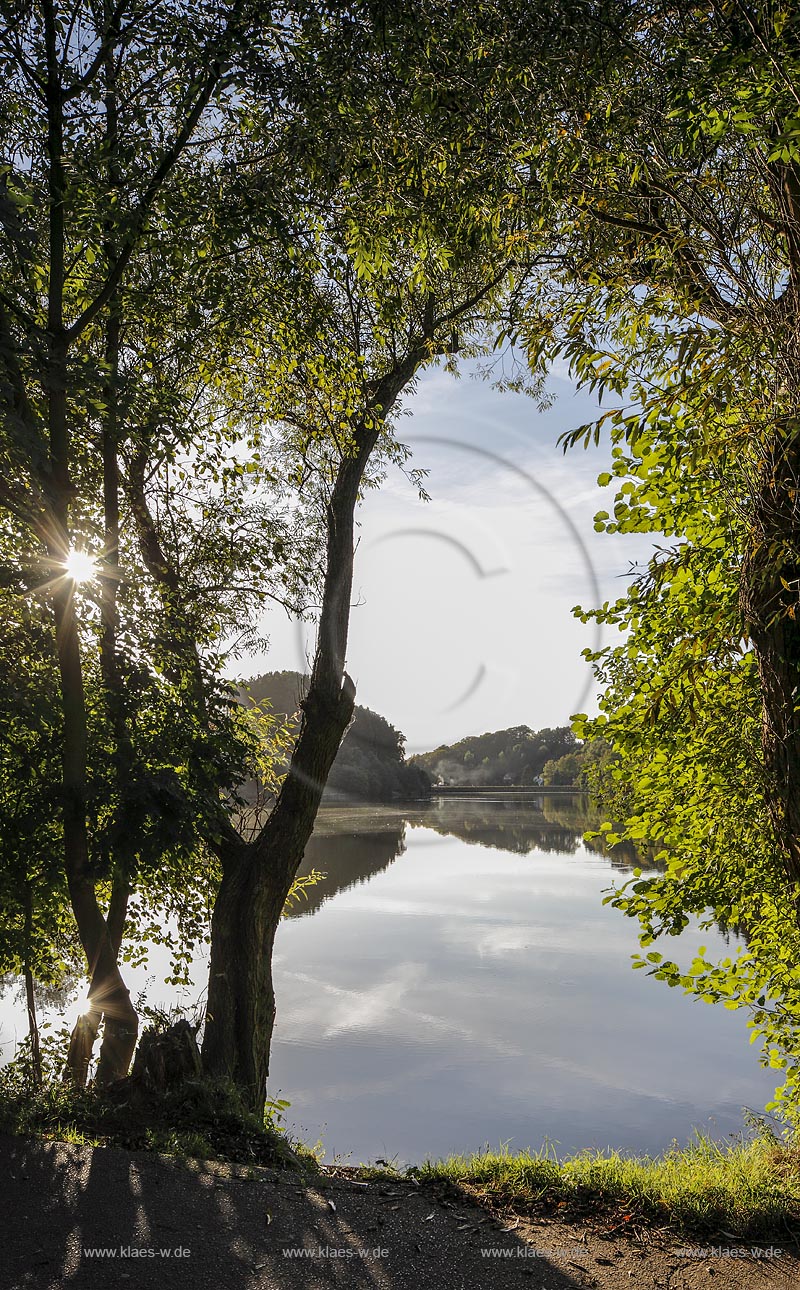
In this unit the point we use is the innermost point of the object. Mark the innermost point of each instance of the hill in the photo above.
(370, 765)
(552, 756)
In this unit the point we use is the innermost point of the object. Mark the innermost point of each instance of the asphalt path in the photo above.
(99, 1218)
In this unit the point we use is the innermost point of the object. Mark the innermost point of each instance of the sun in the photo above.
(78, 1008)
(80, 566)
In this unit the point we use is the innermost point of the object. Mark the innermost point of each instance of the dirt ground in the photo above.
(102, 1218)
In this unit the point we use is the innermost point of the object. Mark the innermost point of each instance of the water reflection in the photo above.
(345, 859)
(353, 843)
(502, 825)
(457, 980)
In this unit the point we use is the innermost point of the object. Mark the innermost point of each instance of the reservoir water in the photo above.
(455, 980)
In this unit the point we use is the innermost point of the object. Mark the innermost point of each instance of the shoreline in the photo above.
(71, 1209)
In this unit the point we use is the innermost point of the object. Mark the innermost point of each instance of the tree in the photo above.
(96, 125)
(390, 269)
(681, 706)
(670, 180)
(563, 771)
(102, 418)
(256, 875)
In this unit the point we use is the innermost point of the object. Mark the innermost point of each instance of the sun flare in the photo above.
(76, 1009)
(80, 566)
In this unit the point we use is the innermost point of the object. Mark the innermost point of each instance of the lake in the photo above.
(455, 981)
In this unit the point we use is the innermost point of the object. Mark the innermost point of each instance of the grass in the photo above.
(202, 1119)
(195, 1117)
(748, 1188)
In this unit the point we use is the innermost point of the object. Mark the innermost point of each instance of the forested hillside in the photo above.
(515, 756)
(370, 765)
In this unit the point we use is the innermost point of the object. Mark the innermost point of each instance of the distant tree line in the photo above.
(517, 756)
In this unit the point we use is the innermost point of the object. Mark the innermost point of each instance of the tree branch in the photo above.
(214, 63)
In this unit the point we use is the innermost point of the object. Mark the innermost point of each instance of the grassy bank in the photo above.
(203, 1120)
(746, 1188)
(166, 1105)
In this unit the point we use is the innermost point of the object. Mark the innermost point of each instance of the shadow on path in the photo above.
(73, 1217)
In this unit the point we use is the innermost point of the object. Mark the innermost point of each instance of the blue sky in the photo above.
(462, 618)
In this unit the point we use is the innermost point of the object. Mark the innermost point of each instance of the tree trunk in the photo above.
(121, 1024)
(108, 994)
(771, 605)
(30, 991)
(241, 997)
(256, 882)
(257, 877)
(109, 998)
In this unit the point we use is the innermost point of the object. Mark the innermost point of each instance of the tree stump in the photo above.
(167, 1058)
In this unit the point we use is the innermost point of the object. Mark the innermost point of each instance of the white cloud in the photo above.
(462, 618)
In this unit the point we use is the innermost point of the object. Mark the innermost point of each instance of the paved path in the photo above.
(205, 1226)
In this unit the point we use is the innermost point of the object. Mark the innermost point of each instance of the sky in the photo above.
(461, 621)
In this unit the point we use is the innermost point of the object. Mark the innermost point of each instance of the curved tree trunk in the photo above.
(257, 877)
(121, 1023)
(107, 992)
(256, 880)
